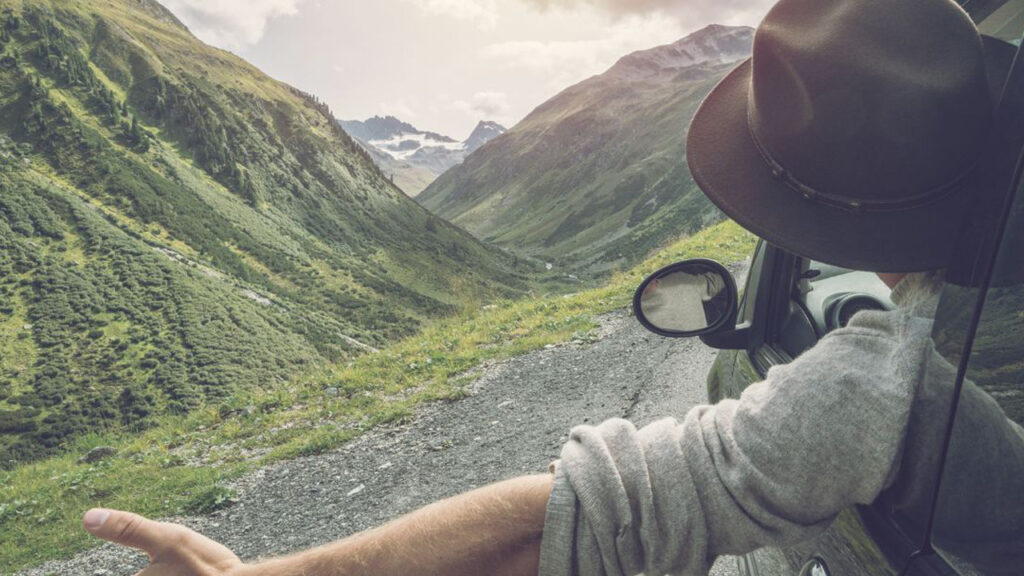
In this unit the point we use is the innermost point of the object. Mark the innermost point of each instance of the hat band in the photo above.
(783, 175)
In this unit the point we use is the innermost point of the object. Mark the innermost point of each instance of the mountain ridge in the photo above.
(414, 158)
(595, 178)
(385, 127)
(713, 43)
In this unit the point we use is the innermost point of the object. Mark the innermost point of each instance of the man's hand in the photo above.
(494, 530)
(173, 550)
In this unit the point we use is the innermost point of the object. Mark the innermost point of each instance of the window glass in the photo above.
(746, 312)
(833, 295)
(979, 521)
(999, 19)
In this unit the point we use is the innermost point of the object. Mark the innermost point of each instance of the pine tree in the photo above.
(139, 136)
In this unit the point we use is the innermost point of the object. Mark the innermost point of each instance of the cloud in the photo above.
(404, 108)
(230, 24)
(690, 12)
(567, 61)
(487, 105)
(483, 13)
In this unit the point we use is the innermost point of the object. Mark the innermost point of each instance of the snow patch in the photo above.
(403, 145)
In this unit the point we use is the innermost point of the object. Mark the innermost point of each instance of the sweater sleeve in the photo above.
(773, 467)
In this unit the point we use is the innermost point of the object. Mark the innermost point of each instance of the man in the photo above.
(850, 137)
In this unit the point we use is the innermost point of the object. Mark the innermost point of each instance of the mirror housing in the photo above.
(691, 298)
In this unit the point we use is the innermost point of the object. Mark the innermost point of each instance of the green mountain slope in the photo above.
(175, 225)
(595, 178)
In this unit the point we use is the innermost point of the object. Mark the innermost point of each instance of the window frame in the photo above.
(771, 292)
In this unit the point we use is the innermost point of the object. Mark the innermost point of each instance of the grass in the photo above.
(181, 465)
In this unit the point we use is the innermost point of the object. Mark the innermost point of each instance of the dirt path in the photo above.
(515, 422)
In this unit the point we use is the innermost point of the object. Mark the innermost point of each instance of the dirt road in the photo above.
(514, 422)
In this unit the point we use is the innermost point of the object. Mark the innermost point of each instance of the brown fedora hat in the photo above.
(852, 133)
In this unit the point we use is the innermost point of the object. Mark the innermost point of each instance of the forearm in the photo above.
(493, 530)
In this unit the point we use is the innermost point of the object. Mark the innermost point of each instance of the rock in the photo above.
(332, 391)
(96, 454)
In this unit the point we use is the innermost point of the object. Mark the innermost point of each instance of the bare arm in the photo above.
(496, 529)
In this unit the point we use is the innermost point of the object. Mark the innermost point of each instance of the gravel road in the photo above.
(514, 422)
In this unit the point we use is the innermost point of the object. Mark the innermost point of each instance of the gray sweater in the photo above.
(774, 467)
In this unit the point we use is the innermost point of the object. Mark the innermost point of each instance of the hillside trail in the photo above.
(514, 422)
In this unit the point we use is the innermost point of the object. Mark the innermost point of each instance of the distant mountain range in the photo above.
(175, 226)
(596, 177)
(412, 157)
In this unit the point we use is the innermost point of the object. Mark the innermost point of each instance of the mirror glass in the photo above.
(687, 298)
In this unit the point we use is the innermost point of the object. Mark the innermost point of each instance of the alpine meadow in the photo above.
(176, 225)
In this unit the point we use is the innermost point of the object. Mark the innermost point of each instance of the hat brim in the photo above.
(729, 169)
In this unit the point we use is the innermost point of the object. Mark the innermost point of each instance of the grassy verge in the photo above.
(179, 465)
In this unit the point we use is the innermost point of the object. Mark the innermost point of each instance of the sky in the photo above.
(444, 65)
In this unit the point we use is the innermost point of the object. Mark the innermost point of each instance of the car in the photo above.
(968, 512)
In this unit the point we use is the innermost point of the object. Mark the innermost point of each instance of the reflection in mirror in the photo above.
(686, 299)
(979, 516)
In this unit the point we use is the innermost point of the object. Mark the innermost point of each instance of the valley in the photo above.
(203, 272)
(595, 178)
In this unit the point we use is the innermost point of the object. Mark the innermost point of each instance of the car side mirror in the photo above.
(689, 298)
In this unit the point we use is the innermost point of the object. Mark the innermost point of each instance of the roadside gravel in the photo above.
(514, 422)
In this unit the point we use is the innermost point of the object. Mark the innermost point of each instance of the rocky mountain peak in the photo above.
(414, 157)
(157, 10)
(379, 128)
(484, 132)
(714, 44)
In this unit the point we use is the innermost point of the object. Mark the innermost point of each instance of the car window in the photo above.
(785, 324)
(999, 19)
(979, 519)
(832, 295)
(746, 312)
(823, 298)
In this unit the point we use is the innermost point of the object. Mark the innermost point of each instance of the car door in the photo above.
(883, 538)
(976, 527)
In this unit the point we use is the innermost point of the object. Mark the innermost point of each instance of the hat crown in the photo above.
(852, 102)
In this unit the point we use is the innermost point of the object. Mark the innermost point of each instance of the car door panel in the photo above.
(845, 548)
